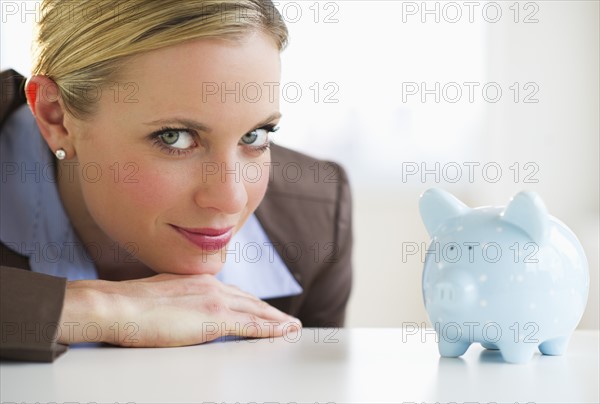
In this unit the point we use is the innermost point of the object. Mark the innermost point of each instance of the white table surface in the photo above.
(340, 366)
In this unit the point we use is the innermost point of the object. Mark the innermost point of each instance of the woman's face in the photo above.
(176, 157)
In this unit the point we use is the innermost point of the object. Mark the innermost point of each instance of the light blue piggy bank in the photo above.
(512, 278)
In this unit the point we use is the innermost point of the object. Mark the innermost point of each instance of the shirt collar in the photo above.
(254, 265)
(34, 223)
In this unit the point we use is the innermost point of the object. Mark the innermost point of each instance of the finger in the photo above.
(247, 325)
(234, 290)
(264, 309)
(258, 308)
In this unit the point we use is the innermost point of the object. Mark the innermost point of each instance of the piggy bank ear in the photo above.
(527, 211)
(437, 206)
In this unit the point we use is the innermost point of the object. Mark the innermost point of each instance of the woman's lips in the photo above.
(207, 239)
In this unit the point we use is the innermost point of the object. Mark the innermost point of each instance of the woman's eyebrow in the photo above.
(182, 122)
(200, 127)
(269, 119)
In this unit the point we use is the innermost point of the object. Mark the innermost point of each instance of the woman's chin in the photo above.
(205, 265)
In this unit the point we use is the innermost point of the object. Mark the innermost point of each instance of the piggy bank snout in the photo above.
(444, 292)
(454, 291)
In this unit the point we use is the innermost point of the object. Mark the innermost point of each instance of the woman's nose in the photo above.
(222, 187)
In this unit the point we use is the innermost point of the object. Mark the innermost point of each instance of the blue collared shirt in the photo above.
(35, 224)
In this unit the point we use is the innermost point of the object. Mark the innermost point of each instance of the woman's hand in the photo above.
(165, 310)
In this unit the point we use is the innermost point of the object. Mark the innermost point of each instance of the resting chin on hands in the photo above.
(168, 310)
(155, 195)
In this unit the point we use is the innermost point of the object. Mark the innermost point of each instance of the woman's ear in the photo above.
(44, 100)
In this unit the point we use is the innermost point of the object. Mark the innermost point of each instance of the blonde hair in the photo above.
(82, 44)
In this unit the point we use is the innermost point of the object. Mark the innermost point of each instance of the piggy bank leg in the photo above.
(488, 345)
(554, 346)
(521, 352)
(452, 349)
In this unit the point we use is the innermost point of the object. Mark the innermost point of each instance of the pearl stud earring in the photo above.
(60, 154)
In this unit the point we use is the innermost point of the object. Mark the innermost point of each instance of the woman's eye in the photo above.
(258, 137)
(177, 139)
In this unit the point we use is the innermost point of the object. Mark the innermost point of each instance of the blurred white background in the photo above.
(410, 95)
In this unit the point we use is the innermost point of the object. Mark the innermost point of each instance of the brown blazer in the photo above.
(307, 206)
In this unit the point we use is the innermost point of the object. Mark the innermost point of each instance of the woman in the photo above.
(156, 188)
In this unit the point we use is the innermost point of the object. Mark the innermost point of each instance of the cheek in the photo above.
(149, 187)
(256, 177)
(129, 191)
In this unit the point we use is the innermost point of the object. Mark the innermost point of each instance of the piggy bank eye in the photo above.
(451, 248)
